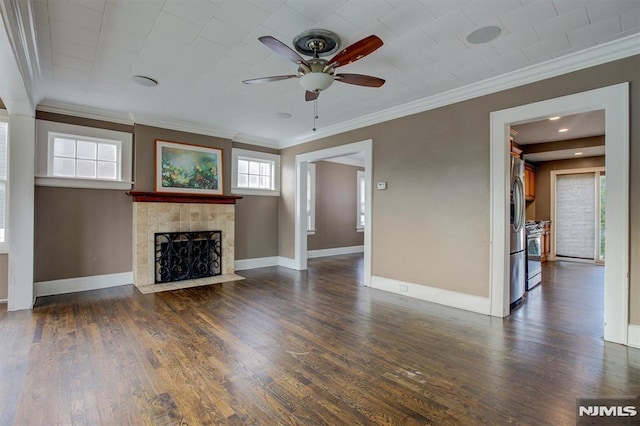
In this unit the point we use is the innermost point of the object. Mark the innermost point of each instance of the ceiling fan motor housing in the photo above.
(317, 42)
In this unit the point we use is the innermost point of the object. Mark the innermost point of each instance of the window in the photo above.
(255, 173)
(360, 215)
(311, 199)
(4, 142)
(68, 155)
(84, 158)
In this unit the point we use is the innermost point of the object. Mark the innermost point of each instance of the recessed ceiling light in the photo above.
(144, 80)
(578, 153)
(283, 115)
(563, 130)
(484, 35)
(557, 117)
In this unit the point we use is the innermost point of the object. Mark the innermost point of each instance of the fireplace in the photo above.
(187, 255)
(158, 213)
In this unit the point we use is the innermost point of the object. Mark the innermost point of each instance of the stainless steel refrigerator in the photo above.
(517, 249)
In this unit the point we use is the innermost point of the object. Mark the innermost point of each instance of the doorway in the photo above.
(615, 101)
(301, 163)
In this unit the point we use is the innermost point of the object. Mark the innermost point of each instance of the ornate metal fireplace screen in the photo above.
(187, 255)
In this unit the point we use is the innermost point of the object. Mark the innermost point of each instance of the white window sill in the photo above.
(311, 231)
(251, 191)
(63, 182)
(359, 229)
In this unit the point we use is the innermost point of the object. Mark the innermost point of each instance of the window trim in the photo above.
(44, 155)
(50, 158)
(360, 176)
(4, 245)
(311, 199)
(245, 154)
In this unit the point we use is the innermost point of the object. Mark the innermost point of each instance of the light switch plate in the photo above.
(382, 185)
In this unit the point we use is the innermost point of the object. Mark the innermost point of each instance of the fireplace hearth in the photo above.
(187, 255)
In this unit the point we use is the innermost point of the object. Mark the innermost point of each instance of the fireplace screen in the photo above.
(187, 255)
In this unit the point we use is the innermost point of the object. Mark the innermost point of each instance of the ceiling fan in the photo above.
(317, 74)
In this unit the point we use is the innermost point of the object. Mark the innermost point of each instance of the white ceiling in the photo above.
(201, 50)
(582, 125)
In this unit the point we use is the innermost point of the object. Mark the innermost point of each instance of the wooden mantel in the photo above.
(172, 197)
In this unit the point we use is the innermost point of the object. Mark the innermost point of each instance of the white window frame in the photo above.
(360, 207)
(46, 131)
(4, 244)
(311, 199)
(245, 154)
(50, 160)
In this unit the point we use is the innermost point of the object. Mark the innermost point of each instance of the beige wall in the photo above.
(336, 204)
(81, 232)
(541, 207)
(432, 225)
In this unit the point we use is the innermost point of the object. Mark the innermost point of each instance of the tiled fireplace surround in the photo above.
(152, 217)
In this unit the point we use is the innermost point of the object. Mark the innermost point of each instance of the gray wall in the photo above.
(336, 203)
(81, 232)
(86, 232)
(432, 225)
(256, 216)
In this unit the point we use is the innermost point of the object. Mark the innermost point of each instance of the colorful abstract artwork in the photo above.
(188, 168)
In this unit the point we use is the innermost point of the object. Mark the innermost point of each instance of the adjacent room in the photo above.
(319, 212)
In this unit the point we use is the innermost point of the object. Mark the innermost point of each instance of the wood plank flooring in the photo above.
(310, 348)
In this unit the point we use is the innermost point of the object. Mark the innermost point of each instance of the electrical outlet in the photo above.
(404, 288)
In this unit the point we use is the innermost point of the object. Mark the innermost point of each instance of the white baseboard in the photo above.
(71, 285)
(265, 262)
(259, 262)
(633, 336)
(288, 263)
(450, 298)
(335, 251)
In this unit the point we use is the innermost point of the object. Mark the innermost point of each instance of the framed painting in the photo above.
(188, 169)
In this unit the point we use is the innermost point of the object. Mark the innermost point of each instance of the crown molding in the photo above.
(181, 126)
(19, 82)
(82, 111)
(255, 140)
(596, 55)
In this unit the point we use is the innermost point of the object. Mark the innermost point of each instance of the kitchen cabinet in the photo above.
(529, 182)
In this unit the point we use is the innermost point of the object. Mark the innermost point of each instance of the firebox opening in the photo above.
(187, 255)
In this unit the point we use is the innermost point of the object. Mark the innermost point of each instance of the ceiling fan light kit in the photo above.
(317, 74)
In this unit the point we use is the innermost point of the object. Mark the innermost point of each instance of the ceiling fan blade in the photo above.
(360, 80)
(357, 50)
(268, 79)
(311, 96)
(282, 49)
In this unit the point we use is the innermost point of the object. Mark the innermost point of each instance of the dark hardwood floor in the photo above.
(288, 347)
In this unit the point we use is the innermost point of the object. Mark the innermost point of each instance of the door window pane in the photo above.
(575, 215)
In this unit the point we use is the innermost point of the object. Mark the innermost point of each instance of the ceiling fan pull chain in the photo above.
(315, 113)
